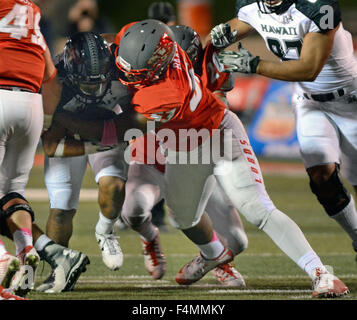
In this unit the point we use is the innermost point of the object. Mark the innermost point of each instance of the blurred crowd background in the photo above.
(262, 104)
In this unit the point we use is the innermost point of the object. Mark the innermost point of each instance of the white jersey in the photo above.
(284, 35)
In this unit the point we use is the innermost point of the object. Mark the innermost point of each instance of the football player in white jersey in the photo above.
(316, 54)
(85, 69)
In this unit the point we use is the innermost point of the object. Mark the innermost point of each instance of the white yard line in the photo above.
(39, 194)
(247, 291)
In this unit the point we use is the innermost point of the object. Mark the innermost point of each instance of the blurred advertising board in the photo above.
(197, 14)
(264, 106)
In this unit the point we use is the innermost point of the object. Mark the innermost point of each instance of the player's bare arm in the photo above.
(51, 87)
(51, 138)
(244, 29)
(93, 130)
(315, 51)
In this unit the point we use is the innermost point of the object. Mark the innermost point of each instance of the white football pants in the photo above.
(21, 121)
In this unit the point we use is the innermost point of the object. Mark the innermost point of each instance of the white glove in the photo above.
(238, 61)
(222, 36)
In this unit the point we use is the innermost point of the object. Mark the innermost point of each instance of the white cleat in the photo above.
(9, 265)
(229, 276)
(327, 285)
(199, 266)
(24, 279)
(112, 254)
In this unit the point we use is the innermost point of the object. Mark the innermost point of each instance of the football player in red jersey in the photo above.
(225, 218)
(145, 186)
(25, 66)
(165, 89)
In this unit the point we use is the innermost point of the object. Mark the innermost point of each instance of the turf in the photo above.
(269, 274)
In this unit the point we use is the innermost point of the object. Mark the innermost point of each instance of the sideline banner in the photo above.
(196, 14)
(272, 131)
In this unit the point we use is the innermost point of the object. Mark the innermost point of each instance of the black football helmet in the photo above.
(162, 11)
(274, 6)
(88, 63)
(145, 51)
(189, 40)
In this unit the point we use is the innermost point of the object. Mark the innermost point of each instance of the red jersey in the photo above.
(212, 78)
(22, 45)
(179, 100)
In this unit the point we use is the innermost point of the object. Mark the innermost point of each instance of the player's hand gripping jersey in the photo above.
(21, 45)
(212, 76)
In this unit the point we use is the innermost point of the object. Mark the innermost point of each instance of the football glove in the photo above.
(239, 61)
(222, 36)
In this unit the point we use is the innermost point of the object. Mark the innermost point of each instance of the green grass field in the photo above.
(269, 274)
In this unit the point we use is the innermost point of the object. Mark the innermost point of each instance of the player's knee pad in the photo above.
(15, 207)
(135, 212)
(6, 213)
(338, 197)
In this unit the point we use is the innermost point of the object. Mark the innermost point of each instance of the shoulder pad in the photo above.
(325, 14)
(242, 3)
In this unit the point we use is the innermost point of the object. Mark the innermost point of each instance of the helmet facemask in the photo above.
(88, 64)
(157, 64)
(274, 6)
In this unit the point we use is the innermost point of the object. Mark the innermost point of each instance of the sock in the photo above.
(212, 249)
(49, 251)
(147, 231)
(2, 248)
(289, 238)
(22, 238)
(104, 225)
(347, 219)
(309, 262)
(42, 242)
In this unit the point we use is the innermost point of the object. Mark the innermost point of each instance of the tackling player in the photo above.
(166, 89)
(225, 218)
(316, 54)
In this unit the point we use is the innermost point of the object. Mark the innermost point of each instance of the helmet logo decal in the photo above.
(163, 50)
(126, 65)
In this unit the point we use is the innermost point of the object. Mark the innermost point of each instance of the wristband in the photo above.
(254, 64)
(47, 120)
(60, 149)
(90, 148)
(109, 136)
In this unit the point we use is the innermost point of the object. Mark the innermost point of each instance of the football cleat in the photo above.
(155, 262)
(228, 275)
(199, 266)
(64, 276)
(6, 294)
(24, 279)
(112, 254)
(9, 265)
(327, 285)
